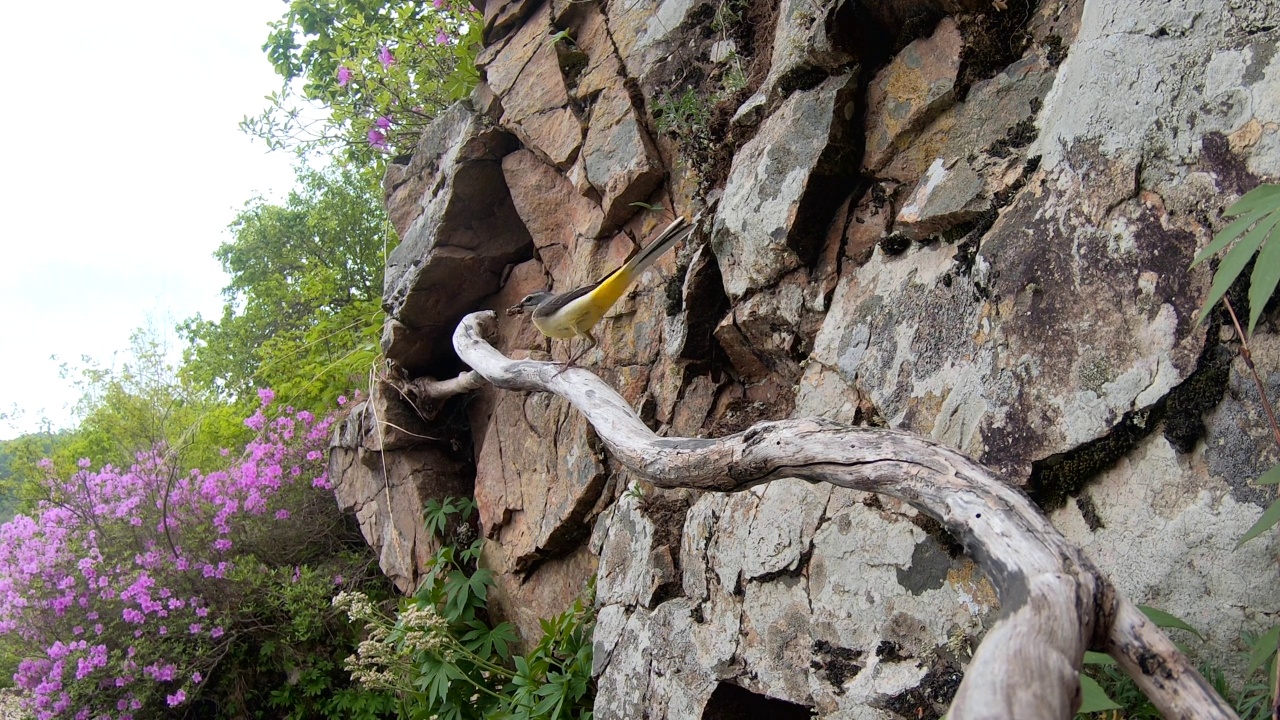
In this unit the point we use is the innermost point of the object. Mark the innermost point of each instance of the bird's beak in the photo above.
(517, 309)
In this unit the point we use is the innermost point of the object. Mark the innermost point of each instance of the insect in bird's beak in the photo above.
(529, 301)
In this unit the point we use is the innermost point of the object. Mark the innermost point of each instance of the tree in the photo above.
(302, 309)
(374, 73)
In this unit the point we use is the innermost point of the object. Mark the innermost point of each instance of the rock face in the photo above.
(970, 222)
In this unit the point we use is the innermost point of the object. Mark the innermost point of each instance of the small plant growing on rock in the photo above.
(439, 654)
(1254, 235)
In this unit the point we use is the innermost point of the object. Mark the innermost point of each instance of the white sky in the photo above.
(120, 168)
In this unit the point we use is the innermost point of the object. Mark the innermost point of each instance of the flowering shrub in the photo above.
(129, 588)
(374, 72)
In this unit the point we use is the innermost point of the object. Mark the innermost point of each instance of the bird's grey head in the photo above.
(530, 301)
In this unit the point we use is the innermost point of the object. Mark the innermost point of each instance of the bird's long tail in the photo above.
(612, 287)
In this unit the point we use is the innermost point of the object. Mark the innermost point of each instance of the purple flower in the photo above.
(344, 75)
(342, 399)
(377, 139)
(266, 395)
(383, 122)
(176, 699)
(197, 678)
(282, 514)
(385, 57)
(438, 4)
(442, 38)
(216, 633)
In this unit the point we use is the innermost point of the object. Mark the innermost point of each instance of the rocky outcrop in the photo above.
(969, 220)
(384, 473)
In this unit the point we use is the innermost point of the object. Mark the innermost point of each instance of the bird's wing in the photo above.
(552, 306)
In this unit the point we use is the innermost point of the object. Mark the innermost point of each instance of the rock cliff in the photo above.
(971, 220)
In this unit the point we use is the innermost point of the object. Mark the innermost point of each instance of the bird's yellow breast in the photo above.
(573, 319)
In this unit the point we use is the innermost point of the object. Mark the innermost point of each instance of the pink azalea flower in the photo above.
(442, 38)
(176, 699)
(344, 75)
(377, 139)
(383, 122)
(385, 57)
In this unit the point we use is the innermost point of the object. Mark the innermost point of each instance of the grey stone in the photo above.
(756, 234)
(467, 227)
(950, 193)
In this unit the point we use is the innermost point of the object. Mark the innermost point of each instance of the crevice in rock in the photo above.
(928, 700)
(1089, 512)
(992, 41)
(667, 511)
(801, 564)
(837, 665)
(1180, 412)
(731, 702)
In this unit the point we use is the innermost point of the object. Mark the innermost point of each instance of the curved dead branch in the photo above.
(1055, 604)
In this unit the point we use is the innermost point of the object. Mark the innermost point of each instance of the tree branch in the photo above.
(1055, 603)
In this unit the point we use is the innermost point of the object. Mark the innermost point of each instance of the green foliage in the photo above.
(1110, 694)
(1271, 516)
(287, 663)
(728, 15)
(1255, 227)
(302, 312)
(686, 117)
(139, 402)
(1255, 231)
(443, 658)
(365, 75)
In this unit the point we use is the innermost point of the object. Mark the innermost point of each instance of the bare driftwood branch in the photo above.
(1055, 604)
(428, 388)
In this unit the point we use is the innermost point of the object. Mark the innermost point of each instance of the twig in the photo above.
(1248, 361)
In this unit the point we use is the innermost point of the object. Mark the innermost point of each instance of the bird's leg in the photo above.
(591, 342)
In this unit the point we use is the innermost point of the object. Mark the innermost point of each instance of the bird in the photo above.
(573, 314)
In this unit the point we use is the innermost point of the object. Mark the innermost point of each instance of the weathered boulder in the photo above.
(808, 39)
(385, 480)
(524, 72)
(620, 160)
(910, 91)
(467, 227)
(780, 184)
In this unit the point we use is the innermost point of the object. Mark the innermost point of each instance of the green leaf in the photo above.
(1224, 236)
(1233, 263)
(1263, 648)
(1270, 477)
(1266, 271)
(1165, 620)
(480, 581)
(1097, 658)
(1264, 196)
(1094, 697)
(1265, 523)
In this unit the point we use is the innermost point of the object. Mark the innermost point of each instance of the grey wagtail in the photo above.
(574, 313)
